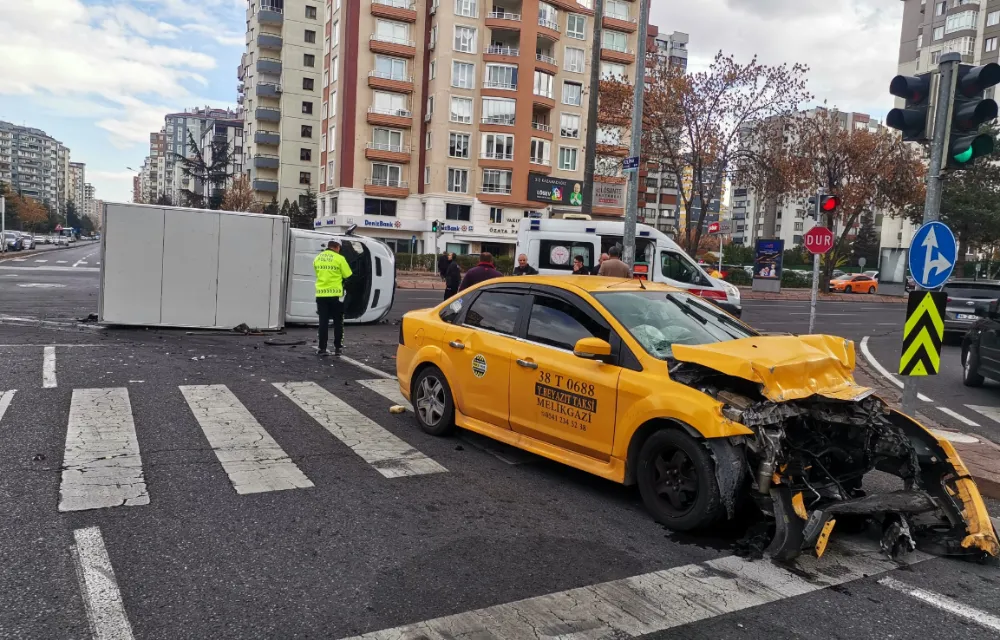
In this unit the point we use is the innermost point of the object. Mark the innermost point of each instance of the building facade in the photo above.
(34, 164)
(218, 133)
(179, 130)
(466, 112)
(933, 27)
(77, 184)
(281, 97)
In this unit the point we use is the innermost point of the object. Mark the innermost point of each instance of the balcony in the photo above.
(501, 51)
(544, 99)
(624, 23)
(390, 81)
(266, 161)
(270, 14)
(507, 156)
(503, 20)
(270, 186)
(268, 114)
(501, 85)
(614, 55)
(269, 65)
(387, 188)
(402, 10)
(542, 130)
(392, 46)
(383, 152)
(270, 138)
(547, 63)
(548, 29)
(269, 41)
(402, 118)
(268, 90)
(498, 121)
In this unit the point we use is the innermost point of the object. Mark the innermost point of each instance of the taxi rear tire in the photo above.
(871, 289)
(432, 402)
(676, 478)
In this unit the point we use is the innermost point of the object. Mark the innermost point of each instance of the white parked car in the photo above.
(28, 240)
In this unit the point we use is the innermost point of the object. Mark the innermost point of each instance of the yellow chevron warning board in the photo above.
(923, 333)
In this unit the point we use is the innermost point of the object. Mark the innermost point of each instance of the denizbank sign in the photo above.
(387, 223)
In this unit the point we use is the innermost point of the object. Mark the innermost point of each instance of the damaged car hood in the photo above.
(786, 367)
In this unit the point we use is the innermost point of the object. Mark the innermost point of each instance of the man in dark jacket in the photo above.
(480, 273)
(453, 277)
(523, 268)
(443, 265)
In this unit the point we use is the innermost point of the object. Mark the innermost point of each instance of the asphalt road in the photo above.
(187, 540)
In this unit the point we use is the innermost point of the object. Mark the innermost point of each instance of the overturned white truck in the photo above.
(196, 268)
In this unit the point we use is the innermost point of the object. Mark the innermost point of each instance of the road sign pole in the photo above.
(815, 283)
(3, 224)
(632, 207)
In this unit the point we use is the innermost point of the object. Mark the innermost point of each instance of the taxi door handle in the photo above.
(455, 344)
(526, 364)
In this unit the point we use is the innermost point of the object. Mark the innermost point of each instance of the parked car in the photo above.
(968, 300)
(872, 274)
(47, 239)
(981, 347)
(837, 273)
(854, 283)
(28, 240)
(62, 241)
(13, 241)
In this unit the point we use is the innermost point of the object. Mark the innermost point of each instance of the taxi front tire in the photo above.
(432, 402)
(676, 478)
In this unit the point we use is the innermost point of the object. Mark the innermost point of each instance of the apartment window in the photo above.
(427, 175)
(428, 140)
(938, 33)
(496, 181)
(458, 145)
(457, 212)
(386, 175)
(434, 36)
(548, 16)
(463, 74)
(992, 18)
(572, 93)
(334, 68)
(540, 151)
(576, 26)
(614, 40)
(387, 139)
(574, 59)
(307, 107)
(430, 105)
(390, 103)
(920, 40)
(458, 180)
(569, 125)
(543, 84)
(333, 103)
(305, 177)
(567, 158)
(308, 60)
(963, 20)
(379, 207)
(991, 44)
(326, 77)
(501, 76)
(467, 8)
(332, 138)
(307, 84)
(616, 9)
(496, 213)
(391, 68)
(461, 110)
(939, 8)
(963, 45)
(390, 31)
(310, 36)
(433, 69)
(498, 146)
(465, 39)
(613, 71)
(498, 111)
(935, 56)
(305, 154)
(310, 12)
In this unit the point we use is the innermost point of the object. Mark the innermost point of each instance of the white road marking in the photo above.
(5, 399)
(885, 372)
(958, 416)
(49, 368)
(41, 260)
(391, 456)
(19, 260)
(83, 260)
(101, 466)
(388, 388)
(101, 597)
(254, 461)
(60, 262)
(48, 268)
(954, 436)
(652, 602)
(993, 413)
(982, 618)
(365, 367)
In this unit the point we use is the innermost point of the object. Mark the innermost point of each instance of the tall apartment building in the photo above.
(88, 208)
(178, 131)
(217, 133)
(281, 96)
(933, 27)
(77, 183)
(34, 164)
(469, 112)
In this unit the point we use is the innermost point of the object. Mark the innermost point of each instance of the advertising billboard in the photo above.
(555, 190)
(767, 260)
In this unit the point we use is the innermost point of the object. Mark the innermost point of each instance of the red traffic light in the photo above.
(829, 204)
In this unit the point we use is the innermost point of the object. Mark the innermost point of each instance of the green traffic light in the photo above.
(964, 157)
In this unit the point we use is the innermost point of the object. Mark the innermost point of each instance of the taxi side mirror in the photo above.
(592, 348)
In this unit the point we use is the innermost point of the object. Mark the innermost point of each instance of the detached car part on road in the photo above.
(645, 384)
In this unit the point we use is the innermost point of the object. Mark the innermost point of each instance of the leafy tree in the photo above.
(867, 242)
(271, 208)
(308, 206)
(214, 174)
(32, 213)
(285, 208)
(737, 254)
(796, 257)
(72, 216)
(299, 219)
(165, 201)
(13, 201)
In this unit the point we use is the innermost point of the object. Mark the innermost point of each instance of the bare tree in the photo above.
(240, 196)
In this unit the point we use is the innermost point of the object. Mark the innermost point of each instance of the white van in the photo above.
(369, 292)
(552, 245)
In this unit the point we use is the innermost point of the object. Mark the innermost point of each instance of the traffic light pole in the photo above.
(815, 285)
(632, 202)
(947, 66)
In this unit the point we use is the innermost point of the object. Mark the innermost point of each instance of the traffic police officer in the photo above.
(331, 270)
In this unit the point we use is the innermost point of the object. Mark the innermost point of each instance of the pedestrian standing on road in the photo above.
(331, 270)
(578, 267)
(600, 261)
(523, 268)
(481, 272)
(453, 277)
(443, 264)
(613, 267)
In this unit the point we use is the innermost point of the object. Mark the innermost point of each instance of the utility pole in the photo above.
(635, 150)
(3, 224)
(593, 104)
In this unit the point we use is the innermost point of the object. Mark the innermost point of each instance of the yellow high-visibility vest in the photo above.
(331, 270)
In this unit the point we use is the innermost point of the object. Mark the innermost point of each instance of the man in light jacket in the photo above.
(613, 267)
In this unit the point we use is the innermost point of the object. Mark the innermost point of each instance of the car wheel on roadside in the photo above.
(970, 369)
(676, 478)
(848, 289)
(432, 402)
(871, 289)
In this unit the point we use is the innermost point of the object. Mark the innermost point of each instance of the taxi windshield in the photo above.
(659, 319)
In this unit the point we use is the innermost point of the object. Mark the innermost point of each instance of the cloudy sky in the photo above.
(100, 74)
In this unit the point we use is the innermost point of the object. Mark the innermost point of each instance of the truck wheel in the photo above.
(970, 369)
(432, 402)
(676, 478)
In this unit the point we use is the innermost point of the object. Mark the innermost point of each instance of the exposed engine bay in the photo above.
(806, 460)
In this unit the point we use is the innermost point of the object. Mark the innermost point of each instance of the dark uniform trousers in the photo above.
(330, 308)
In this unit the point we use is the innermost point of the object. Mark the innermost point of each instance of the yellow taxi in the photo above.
(644, 384)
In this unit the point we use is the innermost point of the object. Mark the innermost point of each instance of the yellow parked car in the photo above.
(644, 384)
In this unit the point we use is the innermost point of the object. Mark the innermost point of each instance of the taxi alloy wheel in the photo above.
(871, 289)
(432, 402)
(970, 369)
(676, 478)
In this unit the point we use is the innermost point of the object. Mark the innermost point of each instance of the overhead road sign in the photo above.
(933, 253)
(923, 333)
